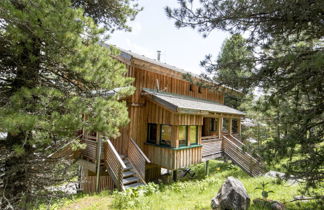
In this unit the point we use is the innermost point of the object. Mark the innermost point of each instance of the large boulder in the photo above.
(232, 195)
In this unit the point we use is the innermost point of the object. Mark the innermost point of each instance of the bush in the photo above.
(131, 197)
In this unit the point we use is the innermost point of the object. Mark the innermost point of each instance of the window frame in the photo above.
(191, 89)
(149, 132)
(161, 126)
(199, 89)
(197, 137)
(186, 134)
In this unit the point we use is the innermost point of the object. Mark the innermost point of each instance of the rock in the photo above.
(275, 174)
(282, 176)
(303, 198)
(268, 204)
(232, 195)
(69, 188)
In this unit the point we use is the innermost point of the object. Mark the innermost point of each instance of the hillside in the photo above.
(188, 193)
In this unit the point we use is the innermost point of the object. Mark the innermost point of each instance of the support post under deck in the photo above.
(175, 175)
(207, 168)
(98, 164)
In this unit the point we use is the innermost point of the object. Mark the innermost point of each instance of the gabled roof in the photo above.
(189, 105)
(128, 55)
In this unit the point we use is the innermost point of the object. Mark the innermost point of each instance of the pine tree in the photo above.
(231, 68)
(287, 42)
(52, 71)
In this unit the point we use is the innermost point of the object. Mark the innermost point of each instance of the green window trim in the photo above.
(174, 148)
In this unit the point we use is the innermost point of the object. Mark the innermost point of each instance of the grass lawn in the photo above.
(188, 193)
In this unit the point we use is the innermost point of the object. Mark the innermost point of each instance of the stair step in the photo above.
(133, 185)
(130, 180)
(128, 173)
(128, 168)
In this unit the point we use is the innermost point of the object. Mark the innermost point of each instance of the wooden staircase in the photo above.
(233, 149)
(129, 175)
(126, 171)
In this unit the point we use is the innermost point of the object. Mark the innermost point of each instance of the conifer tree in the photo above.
(287, 42)
(231, 68)
(52, 71)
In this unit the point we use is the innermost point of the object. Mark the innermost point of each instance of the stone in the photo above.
(282, 176)
(232, 195)
(268, 204)
(275, 174)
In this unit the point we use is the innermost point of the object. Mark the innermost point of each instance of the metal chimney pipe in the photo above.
(158, 55)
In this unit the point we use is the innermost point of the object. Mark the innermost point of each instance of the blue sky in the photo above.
(153, 31)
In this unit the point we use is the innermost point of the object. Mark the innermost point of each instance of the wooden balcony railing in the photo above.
(114, 164)
(90, 152)
(206, 138)
(137, 158)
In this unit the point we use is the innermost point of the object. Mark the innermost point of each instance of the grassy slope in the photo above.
(188, 193)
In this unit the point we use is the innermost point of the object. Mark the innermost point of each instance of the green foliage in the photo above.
(232, 67)
(131, 198)
(286, 38)
(196, 193)
(53, 71)
(114, 14)
(264, 192)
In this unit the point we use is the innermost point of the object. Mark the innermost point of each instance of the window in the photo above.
(213, 124)
(199, 90)
(183, 135)
(193, 133)
(165, 135)
(191, 87)
(151, 133)
(234, 126)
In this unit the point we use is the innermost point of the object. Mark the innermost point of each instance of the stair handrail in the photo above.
(257, 156)
(237, 141)
(140, 151)
(254, 160)
(137, 159)
(239, 148)
(114, 163)
(120, 161)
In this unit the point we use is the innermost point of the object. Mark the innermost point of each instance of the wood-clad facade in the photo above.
(143, 111)
(162, 133)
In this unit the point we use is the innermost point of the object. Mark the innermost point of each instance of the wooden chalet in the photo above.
(173, 124)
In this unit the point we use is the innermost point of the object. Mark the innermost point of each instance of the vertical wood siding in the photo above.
(173, 159)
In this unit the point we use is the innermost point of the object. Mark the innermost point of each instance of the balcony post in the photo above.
(220, 127)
